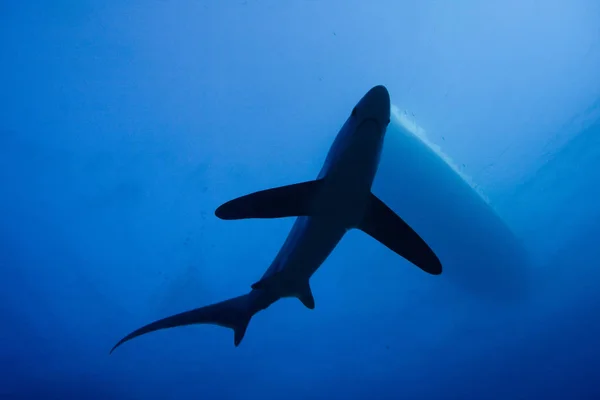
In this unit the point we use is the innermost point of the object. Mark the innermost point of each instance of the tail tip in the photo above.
(114, 347)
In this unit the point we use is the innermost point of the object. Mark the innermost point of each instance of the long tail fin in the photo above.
(233, 313)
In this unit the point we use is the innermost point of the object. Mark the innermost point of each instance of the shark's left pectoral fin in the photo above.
(285, 201)
(388, 228)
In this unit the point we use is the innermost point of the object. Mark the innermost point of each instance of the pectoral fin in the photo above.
(285, 201)
(389, 229)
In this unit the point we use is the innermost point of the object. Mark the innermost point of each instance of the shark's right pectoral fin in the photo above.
(285, 201)
(388, 228)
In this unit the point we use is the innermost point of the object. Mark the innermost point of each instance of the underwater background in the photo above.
(125, 124)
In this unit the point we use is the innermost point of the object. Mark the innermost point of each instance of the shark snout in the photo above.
(375, 105)
(379, 91)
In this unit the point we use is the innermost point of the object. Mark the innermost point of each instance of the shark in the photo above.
(326, 208)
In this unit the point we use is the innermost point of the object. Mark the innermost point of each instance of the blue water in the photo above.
(125, 124)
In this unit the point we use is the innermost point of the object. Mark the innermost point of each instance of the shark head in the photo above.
(374, 105)
(360, 139)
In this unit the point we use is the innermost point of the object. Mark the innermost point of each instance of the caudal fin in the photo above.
(233, 313)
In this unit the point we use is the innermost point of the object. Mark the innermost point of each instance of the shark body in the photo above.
(326, 208)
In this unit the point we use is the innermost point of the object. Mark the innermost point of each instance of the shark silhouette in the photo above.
(339, 199)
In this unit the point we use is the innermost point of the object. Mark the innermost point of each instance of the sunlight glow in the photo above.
(410, 125)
